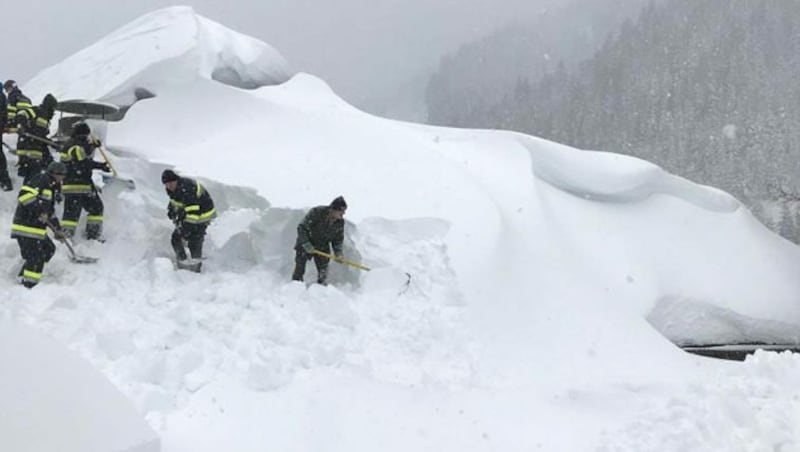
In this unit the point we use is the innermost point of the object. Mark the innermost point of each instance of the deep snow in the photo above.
(548, 286)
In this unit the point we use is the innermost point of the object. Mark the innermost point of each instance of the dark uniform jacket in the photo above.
(321, 233)
(78, 155)
(3, 110)
(190, 203)
(34, 121)
(16, 102)
(35, 205)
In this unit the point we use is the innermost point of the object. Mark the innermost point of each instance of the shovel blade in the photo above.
(128, 183)
(77, 259)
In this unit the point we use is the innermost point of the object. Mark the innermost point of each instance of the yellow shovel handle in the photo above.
(105, 157)
(341, 260)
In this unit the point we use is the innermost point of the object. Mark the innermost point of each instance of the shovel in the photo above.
(128, 182)
(350, 263)
(341, 260)
(73, 256)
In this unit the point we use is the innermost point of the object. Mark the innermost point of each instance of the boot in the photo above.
(94, 232)
(180, 254)
(5, 183)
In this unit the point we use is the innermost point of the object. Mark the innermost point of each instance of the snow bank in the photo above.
(50, 399)
(642, 234)
(169, 46)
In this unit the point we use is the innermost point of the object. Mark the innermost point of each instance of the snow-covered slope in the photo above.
(169, 46)
(543, 282)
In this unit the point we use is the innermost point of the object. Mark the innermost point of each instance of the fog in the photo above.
(368, 50)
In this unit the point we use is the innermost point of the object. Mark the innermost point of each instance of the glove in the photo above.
(104, 167)
(58, 197)
(177, 216)
(308, 248)
(56, 224)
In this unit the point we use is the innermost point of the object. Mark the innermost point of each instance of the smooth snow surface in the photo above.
(51, 399)
(547, 288)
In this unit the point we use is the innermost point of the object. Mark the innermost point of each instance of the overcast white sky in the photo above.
(361, 47)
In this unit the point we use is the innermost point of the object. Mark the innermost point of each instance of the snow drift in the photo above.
(166, 47)
(548, 285)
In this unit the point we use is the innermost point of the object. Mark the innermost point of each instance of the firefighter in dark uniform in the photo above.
(5, 180)
(34, 155)
(191, 209)
(35, 208)
(16, 102)
(79, 190)
(321, 229)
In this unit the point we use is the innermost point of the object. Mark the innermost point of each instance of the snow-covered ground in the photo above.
(54, 400)
(547, 285)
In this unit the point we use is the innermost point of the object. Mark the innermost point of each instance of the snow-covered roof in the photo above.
(169, 46)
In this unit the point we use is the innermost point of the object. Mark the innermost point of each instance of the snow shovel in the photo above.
(128, 182)
(73, 256)
(344, 261)
(341, 260)
(50, 143)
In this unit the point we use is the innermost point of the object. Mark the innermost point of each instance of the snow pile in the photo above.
(755, 406)
(169, 46)
(50, 399)
(634, 228)
(543, 280)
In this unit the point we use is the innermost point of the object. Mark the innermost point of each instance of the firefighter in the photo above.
(33, 126)
(16, 101)
(191, 209)
(35, 209)
(79, 190)
(5, 180)
(321, 229)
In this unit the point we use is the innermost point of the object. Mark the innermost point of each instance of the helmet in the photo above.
(80, 129)
(57, 168)
(9, 84)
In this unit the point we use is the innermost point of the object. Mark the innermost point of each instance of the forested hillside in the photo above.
(706, 89)
(471, 82)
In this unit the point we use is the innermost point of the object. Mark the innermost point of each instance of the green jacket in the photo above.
(320, 232)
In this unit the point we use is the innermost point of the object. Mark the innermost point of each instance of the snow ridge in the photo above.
(169, 46)
(617, 178)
